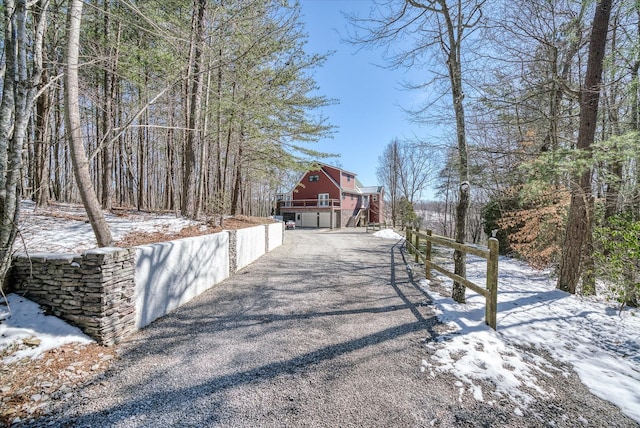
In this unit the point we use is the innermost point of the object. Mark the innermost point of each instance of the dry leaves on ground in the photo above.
(232, 223)
(29, 385)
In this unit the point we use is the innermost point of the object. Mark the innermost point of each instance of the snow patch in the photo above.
(388, 234)
(601, 343)
(24, 325)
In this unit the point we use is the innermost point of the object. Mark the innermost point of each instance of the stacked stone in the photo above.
(233, 251)
(94, 290)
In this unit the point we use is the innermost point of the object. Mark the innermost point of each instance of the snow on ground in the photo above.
(25, 331)
(599, 341)
(388, 234)
(61, 228)
(23, 324)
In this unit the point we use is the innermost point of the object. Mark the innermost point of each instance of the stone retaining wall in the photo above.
(96, 290)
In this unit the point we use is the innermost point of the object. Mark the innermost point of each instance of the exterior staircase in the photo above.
(354, 219)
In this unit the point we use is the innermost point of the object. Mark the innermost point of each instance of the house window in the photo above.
(374, 198)
(323, 200)
(314, 178)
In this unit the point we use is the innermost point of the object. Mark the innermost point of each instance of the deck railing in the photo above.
(309, 203)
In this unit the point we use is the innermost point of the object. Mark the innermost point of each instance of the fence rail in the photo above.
(375, 226)
(490, 292)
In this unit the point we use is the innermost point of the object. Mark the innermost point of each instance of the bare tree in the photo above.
(195, 83)
(438, 28)
(74, 132)
(417, 169)
(23, 59)
(388, 174)
(577, 250)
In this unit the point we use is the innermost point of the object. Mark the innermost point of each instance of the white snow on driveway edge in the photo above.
(601, 344)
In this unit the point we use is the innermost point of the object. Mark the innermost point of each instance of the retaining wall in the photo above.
(250, 245)
(111, 292)
(169, 274)
(275, 235)
(94, 291)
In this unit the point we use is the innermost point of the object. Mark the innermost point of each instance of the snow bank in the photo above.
(25, 320)
(601, 344)
(388, 234)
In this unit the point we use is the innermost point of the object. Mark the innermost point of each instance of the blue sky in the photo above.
(369, 113)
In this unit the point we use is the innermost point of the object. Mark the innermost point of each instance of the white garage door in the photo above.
(314, 219)
(325, 220)
(309, 219)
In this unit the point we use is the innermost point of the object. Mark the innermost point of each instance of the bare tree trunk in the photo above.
(635, 121)
(18, 97)
(142, 159)
(578, 249)
(195, 114)
(108, 115)
(204, 154)
(455, 76)
(615, 178)
(72, 116)
(42, 145)
(238, 182)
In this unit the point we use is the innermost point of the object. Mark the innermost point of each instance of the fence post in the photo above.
(408, 238)
(417, 258)
(492, 284)
(427, 257)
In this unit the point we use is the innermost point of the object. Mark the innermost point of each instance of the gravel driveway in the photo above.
(325, 331)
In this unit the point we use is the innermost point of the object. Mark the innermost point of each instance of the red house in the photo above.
(331, 197)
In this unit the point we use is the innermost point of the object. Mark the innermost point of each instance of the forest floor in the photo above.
(29, 384)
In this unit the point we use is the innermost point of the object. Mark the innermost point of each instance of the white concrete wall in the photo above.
(275, 235)
(250, 245)
(169, 274)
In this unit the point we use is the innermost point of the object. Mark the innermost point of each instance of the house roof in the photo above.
(370, 189)
(359, 189)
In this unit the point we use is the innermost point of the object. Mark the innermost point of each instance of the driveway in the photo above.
(324, 331)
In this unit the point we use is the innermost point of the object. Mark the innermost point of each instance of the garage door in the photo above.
(325, 220)
(314, 219)
(309, 219)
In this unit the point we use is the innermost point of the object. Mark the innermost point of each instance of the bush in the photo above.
(492, 216)
(617, 257)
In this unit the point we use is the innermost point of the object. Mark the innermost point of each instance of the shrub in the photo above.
(617, 257)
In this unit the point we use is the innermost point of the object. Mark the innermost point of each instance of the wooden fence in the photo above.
(414, 238)
(375, 226)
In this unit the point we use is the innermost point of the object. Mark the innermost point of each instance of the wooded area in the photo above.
(550, 120)
(202, 108)
(191, 106)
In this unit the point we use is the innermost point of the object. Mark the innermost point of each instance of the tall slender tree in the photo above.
(577, 250)
(23, 62)
(73, 128)
(437, 29)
